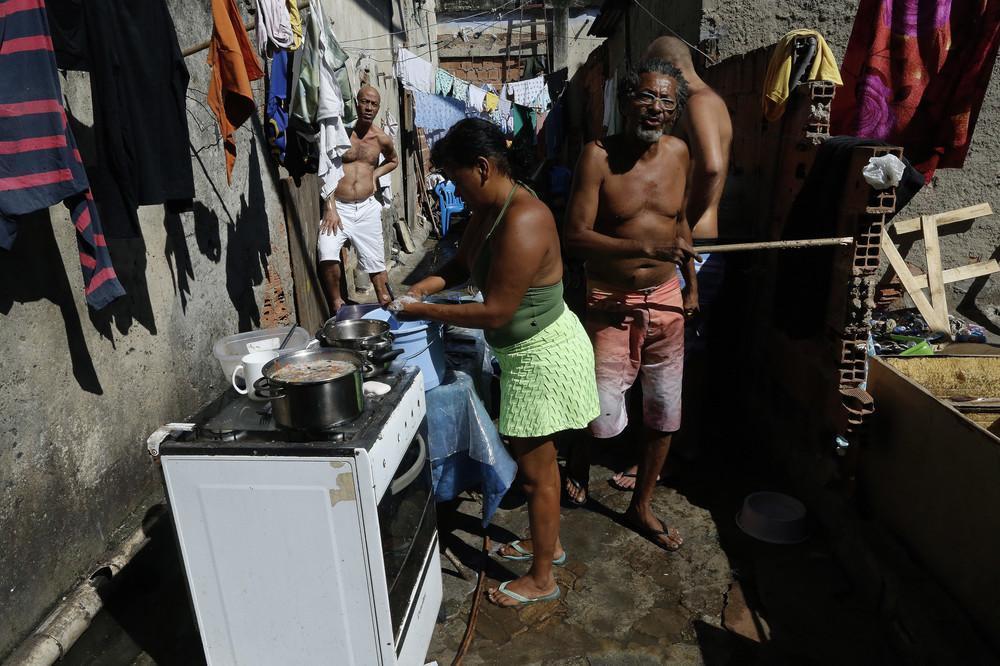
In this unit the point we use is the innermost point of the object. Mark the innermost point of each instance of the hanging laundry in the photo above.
(295, 21)
(777, 84)
(443, 82)
(434, 112)
(915, 74)
(524, 92)
(140, 110)
(542, 101)
(498, 119)
(39, 161)
(331, 113)
(556, 81)
(460, 89)
(276, 111)
(274, 26)
(524, 122)
(234, 65)
(390, 125)
(491, 103)
(319, 45)
(505, 102)
(476, 99)
(612, 114)
(415, 72)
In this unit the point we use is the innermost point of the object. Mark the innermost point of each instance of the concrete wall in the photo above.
(81, 391)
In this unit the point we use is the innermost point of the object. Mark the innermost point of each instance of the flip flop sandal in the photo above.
(524, 601)
(526, 556)
(573, 503)
(617, 484)
(653, 536)
(628, 475)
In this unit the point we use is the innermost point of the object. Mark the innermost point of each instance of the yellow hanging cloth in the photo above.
(296, 21)
(492, 102)
(779, 70)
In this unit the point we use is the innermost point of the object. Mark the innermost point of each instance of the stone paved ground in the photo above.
(722, 599)
(622, 596)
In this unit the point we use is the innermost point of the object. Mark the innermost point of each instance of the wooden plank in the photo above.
(932, 252)
(910, 284)
(302, 214)
(967, 272)
(958, 215)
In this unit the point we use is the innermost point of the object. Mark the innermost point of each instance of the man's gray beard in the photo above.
(648, 135)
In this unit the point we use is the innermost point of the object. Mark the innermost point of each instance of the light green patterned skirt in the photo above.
(547, 382)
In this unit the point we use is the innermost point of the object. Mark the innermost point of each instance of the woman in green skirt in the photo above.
(510, 249)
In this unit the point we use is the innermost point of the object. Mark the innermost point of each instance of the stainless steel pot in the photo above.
(369, 337)
(317, 405)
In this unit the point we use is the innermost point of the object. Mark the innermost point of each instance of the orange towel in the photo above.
(234, 65)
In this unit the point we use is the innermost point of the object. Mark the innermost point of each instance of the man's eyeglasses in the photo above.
(649, 99)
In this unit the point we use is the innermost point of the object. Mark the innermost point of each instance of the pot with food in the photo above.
(314, 389)
(370, 337)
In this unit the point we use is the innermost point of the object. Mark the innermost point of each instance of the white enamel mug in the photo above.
(250, 370)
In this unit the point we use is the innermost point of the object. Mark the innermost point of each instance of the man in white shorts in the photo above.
(352, 213)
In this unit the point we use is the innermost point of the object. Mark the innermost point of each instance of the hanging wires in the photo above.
(674, 32)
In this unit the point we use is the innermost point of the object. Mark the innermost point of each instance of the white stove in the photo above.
(309, 548)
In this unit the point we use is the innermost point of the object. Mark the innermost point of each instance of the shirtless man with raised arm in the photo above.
(352, 212)
(708, 132)
(627, 218)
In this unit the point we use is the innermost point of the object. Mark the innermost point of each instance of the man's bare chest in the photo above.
(366, 151)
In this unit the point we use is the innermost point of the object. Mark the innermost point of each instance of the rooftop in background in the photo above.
(457, 6)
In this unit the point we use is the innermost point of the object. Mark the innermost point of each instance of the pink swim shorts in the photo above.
(637, 334)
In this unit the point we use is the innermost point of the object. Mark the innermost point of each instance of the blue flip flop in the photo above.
(524, 601)
(526, 556)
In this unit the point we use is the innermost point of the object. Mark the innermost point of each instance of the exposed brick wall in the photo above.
(481, 71)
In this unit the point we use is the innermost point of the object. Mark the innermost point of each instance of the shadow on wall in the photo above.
(178, 257)
(33, 270)
(248, 245)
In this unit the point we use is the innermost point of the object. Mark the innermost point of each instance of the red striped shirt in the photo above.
(15, 6)
(35, 179)
(21, 44)
(35, 143)
(17, 109)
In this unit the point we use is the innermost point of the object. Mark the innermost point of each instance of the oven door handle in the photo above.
(399, 485)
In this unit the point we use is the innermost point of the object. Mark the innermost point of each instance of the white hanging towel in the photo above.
(526, 91)
(477, 98)
(274, 24)
(505, 102)
(414, 71)
(333, 138)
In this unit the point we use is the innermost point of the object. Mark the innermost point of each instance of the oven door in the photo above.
(408, 530)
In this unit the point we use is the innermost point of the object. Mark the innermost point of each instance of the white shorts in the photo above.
(360, 223)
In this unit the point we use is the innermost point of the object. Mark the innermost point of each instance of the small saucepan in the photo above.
(369, 337)
(314, 389)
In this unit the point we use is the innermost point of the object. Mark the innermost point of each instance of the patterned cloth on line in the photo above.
(915, 74)
(39, 162)
(547, 382)
(444, 82)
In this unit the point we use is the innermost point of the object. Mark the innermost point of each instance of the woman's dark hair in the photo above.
(472, 138)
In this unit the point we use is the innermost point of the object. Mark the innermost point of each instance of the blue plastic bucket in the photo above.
(422, 343)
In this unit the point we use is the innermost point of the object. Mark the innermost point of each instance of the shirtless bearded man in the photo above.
(627, 219)
(352, 212)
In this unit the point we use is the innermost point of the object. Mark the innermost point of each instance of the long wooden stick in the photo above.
(774, 245)
(951, 217)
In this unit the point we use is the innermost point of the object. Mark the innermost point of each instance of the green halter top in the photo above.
(539, 307)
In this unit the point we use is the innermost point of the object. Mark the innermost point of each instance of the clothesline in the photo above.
(304, 4)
